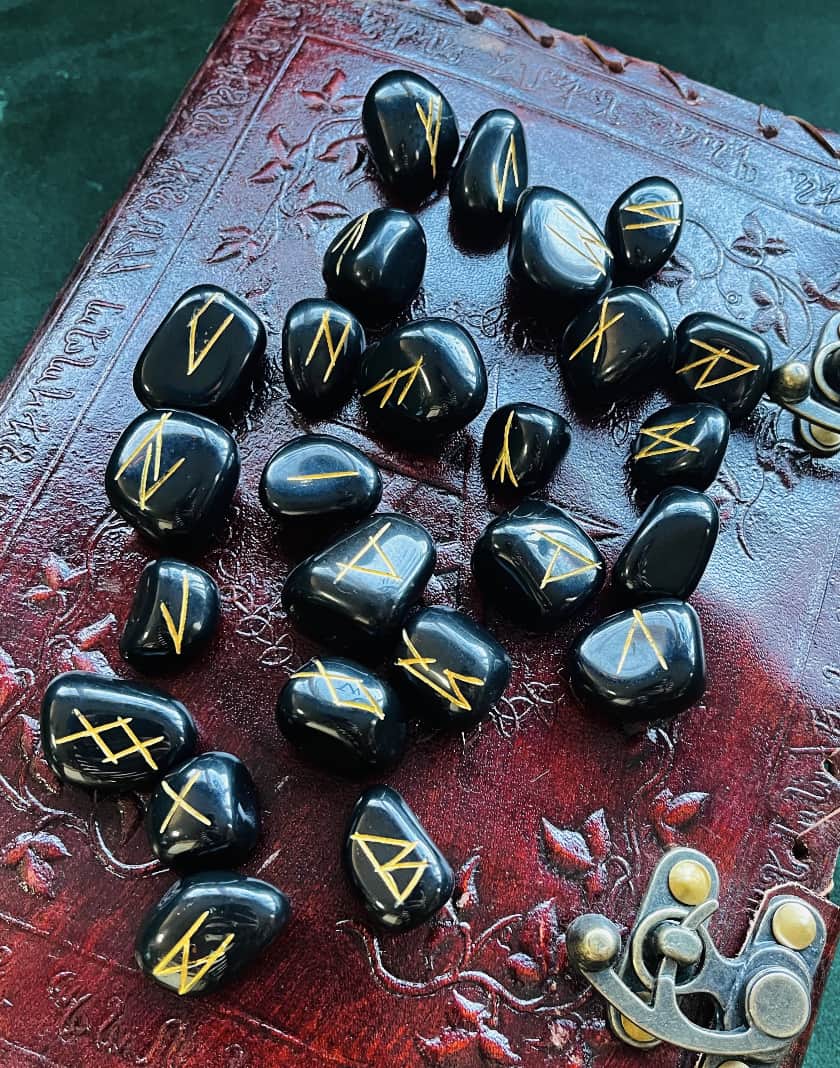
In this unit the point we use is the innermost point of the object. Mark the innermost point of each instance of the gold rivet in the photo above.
(733, 1064)
(638, 1034)
(794, 925)
(689, 882)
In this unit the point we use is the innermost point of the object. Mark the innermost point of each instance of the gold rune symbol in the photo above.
(177, 633)
(652, 211)
(351, 239)
(663, 440)
(431, 127)
(397, 862)
(182, 967)
(321, 474)
(503, 465)
(180, 801)
(333, 350)
(423, 663)
(709, 364)
(110, 757)
(372, 544)
(590, 244)
(639, 624)
(369, 704)
(389, 383)
(510, 164)
(195, 361)
(586, 563)
(152, 443)
(597, 333)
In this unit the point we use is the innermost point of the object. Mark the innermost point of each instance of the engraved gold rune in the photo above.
(177, 633)
(397, 862)
(119, 723)
(419, 665)
(653, 214)
(503, 468)
(663, 440)
(585, 563)
(510, 166)
(588, 244)
(320, 475)
(190, 972)
(330, 678)
(195, 360)
(709, 364)
(333, 349)
(431, 127)
(152, 443)
(351, 239)
(596, 334)
(639, 624)
(389, 382)
(387, 570)
(179, 801)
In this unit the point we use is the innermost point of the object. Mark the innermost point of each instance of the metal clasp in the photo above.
(812, 394)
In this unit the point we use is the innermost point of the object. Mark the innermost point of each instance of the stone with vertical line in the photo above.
(491, 173)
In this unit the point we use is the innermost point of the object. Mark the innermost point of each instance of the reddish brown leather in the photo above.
(259, 164)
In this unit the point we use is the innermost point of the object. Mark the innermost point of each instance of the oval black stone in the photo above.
(340, 715)
(451, 670)
(173, 615)
(680, 445)
(423, 380)
(322, 345)
(669, 550)
(644, 226)
(110, 734)
(642, 664)
(375, 264)
(203, 355)
(319, 477)
(394, 866)
(537, 565)
(522, 446)
(357, 591)
(491, 172)
(204, 813)
(411, 133)
(172, 476)
(722, 363)
(206, 928)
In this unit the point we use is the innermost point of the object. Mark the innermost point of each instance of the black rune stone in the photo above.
(322, 344)
(682, 445)
(522, 445)
(643, 228)
(491, 172)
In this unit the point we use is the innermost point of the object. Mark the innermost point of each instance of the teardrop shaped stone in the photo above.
(357, 591)
(491, 172)
(342, 716)
(411, 133)
(537, 565)
(644, 226)
(204, 813)
(394, 866)
(522, 446)
(423, 380)
(619, 345)
(207, 927)
(322, 345)
(681, 445)
(375, 264)
(318, 477)
(110, 734)
(642, 664)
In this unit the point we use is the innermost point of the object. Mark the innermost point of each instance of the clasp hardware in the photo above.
(812, 393)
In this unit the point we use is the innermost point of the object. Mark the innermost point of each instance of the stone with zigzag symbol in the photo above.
(683, 445)
(643, 228)
(322, 344)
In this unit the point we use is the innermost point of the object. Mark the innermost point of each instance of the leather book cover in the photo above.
(545, 812)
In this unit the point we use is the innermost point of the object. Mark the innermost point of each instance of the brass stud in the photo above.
(794, 925)
(733, 1064)
(638, 1034)
(690, 882)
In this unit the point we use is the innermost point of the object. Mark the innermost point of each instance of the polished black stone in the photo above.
(537, 565)
(322, 344)
(423, 380)
(172, 476)
(491, 172)
(411, 133)
(173, 615)
(318, 477)
(357, 591)
(110, 734)
(617, 346)
(451, 670)
(642, 664)
(668, 552)
(522, 446)
(203, 355)
(680, 445)
(375, 264)
(340, 715)
(393, 864)
(643, 228)
(206, 928)
(722, 363)
(556, 251)
(204, 813)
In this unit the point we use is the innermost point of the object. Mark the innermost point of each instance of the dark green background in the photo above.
(85, 86)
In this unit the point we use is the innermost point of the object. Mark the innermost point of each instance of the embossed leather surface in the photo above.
(548, 811)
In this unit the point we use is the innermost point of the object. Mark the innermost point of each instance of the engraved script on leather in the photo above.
(418, 666)
(397, 862)
(330, 678)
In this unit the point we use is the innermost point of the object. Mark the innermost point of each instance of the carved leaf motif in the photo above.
(828, 298)
(678, 273)
(670, 814)
(466, 885)
(31, 854)
(580, 855)
(463, 1010)
(33, 756)
(542, 946)
(567, 849)
(494, 1047)
(754, 241)
(11, 683)
(770, 314)
(329, 96)
(448, 1044)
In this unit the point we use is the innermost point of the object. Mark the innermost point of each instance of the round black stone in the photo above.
(322, 345)
(522, 446)
(680, 445)
(643, 228)
(491, 172)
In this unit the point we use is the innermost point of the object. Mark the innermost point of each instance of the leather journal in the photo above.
(548, 811)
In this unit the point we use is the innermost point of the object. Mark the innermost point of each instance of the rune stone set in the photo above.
(175, 469)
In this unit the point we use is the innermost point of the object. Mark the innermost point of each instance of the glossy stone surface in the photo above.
(342, 716)
(393, 864)
(617, 346)
(522, 446)
(172, 475)
(322, 344)
(722, 363)
(110, 734)
(206, 928)
(357, 591)
(174, 614)
(411, 133)
(642, 664)
(423, 380)
(556, 251)
(537, 565)
(319, 477)
(644, 226)
(669, 550)
(451, 670)
(375, 264)
(204, 813)
(680, 445)
(203, 355)
(491, 172)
